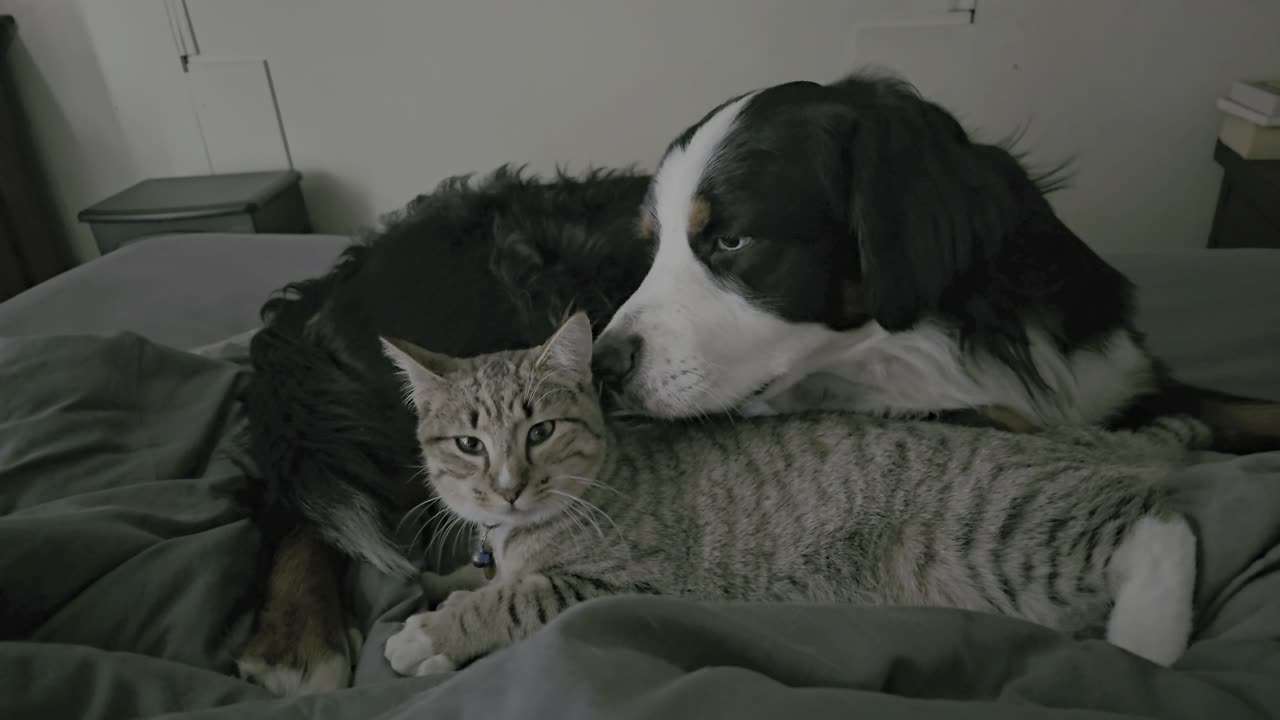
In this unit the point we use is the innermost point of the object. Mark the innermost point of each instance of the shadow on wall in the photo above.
(83, 155)
(41, 115)
(32, 246)
(332, 202)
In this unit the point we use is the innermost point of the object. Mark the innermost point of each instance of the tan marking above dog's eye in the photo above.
(645, 225)
(699, 216)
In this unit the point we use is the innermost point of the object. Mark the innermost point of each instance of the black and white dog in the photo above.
(848, 246)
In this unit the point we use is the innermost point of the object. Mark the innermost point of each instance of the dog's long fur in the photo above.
(467, 269)
(470, 268)
(848, 246)
(894, 267)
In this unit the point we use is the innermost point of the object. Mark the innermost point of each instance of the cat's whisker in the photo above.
(574, 514)
(603, 486)
(464, 528)
(596, 508)
(458, 534)
(427, 523)
(589, 509)
(434, 540)
(580, 518)
(421, 528)
(591, 482)
(577, 514)
(442, 538)
(421, 470)
(582, 512)
(575, 499)
(421, 507)
(408, 516)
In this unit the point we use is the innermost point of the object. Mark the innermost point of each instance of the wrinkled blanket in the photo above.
(128, 566)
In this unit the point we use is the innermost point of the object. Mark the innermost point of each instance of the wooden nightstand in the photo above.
(259, 202)
(1248, 213)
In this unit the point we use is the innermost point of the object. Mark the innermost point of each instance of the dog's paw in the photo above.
(306, 668)
(320, 673)
(411, 651)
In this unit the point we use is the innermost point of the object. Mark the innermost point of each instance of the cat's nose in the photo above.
(511, 493)
(615, 357)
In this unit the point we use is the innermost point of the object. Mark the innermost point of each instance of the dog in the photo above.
(471, 268)
(848, 246)
(801, 247)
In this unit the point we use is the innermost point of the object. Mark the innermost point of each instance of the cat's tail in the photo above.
(1151, 577)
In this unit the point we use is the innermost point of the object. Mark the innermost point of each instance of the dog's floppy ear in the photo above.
(925, 205)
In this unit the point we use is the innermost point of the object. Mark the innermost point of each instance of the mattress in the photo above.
(131, 565)
(182, 290)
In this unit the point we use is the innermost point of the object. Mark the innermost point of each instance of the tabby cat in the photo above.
(1072, 530)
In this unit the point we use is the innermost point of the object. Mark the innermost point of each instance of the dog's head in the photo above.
(791, 214)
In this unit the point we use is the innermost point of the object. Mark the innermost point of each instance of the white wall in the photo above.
(102, 113)
(381, 100)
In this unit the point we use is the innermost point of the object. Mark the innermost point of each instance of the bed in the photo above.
(128, 565)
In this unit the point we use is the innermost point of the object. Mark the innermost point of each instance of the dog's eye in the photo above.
(732, 244)
(540, 432)
(470, 445)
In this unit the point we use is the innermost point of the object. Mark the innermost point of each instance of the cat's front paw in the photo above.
(411, 651)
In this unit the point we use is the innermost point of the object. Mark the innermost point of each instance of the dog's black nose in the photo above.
(615, 357)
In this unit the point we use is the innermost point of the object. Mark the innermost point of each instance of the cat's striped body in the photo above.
(822, 507)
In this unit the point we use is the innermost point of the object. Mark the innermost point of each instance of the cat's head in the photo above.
(507, 438)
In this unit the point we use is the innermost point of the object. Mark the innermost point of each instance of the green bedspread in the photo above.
(126, 567)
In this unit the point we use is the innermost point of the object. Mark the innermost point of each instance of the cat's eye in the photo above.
(732, 244)
(540, 432)
(469, 445)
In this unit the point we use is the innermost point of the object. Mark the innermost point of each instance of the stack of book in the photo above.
(1251, 126)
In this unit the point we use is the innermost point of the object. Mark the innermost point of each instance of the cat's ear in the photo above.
(423, 370)
(569, 348)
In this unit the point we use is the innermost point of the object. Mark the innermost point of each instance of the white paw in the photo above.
(324, 672)
(435, 664)
(412, 652)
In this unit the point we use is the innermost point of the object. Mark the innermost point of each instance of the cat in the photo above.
(1072, 529)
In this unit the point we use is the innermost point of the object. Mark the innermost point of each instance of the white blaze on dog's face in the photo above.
(853, 235)
(705, 331)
